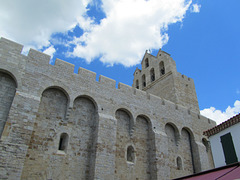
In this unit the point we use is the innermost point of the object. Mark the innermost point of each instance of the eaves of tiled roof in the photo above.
(222, 126)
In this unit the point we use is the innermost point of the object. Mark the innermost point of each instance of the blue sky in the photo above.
(110, 37)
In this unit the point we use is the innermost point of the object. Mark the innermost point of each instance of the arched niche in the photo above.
(172, 132)
(85, 111)
(50, 120)
(14, 76)
(144, 141)
(190, 150)
(123, 141)
(172, 143)
(179, 163)
(55, 85)
(85, 116)
(54, 103)
(8, 87)
(125, 120)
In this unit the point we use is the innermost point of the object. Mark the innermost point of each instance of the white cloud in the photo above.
(220, 116)
(195, 8)
(32, 22)
(50, 51)
(130, 27)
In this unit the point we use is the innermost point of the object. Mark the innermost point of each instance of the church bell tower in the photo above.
(159, 77)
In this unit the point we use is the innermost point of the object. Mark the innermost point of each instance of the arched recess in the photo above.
(173, 139)
(85, 116)
(59, 86)
(54, 102)
(162, 68)
(144, 139)
(123, 140)
(172, 132)
(190, 151)
(50, 118)
(125, 120)
(14, 76)
(8, 87)
(179, 163)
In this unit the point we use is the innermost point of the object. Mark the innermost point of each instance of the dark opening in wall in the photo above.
(179, 163)
(130, 154)
(137, 84)
(144, 80)
(162, 68)
(63, 142)
(152, 73)
(146, 63)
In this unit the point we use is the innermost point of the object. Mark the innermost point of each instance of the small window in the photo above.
(63, 142)
(130, 154)
(146, 63)
(179, 163)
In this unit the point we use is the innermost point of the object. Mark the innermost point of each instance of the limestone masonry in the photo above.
(58, 125)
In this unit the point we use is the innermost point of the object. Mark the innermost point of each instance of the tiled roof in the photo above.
(229, 172)
(222, 126)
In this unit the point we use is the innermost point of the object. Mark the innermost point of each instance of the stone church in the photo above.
(57, 125)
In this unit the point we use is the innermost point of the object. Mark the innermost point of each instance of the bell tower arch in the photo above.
(159, 77)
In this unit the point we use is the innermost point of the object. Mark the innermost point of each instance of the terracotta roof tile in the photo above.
(222, 126)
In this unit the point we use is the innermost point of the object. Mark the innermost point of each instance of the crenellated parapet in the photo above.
(62, 69)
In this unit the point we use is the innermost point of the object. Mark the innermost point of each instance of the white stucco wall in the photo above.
(216, 145)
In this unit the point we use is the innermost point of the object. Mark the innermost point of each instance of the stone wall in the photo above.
(62, 125)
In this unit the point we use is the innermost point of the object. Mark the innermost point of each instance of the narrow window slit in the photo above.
(63, 142)
(130, 154)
